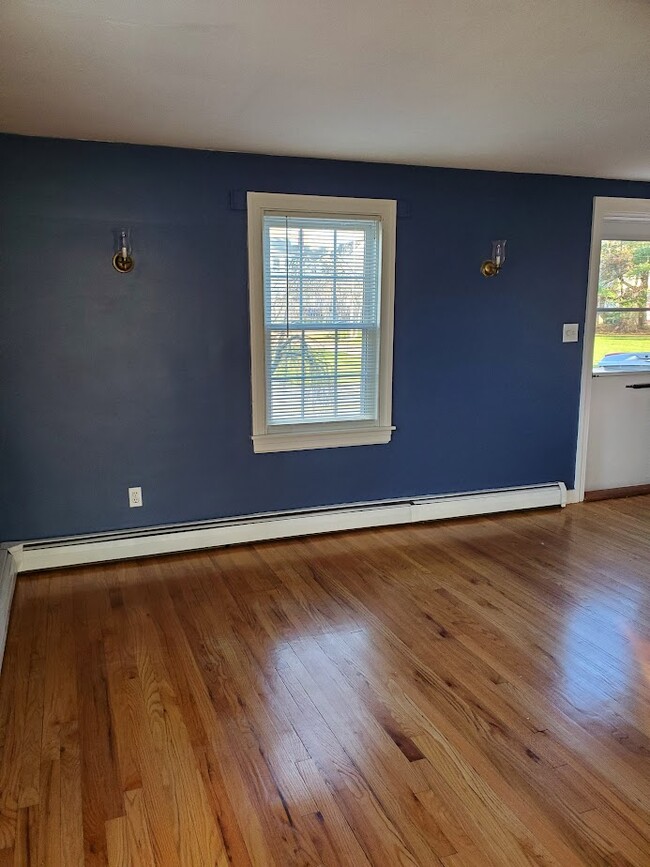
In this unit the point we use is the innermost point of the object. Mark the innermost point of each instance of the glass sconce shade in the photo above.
(123, 259)
(499, 253)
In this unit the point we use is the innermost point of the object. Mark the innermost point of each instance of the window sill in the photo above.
(296, 441)
(638, 371)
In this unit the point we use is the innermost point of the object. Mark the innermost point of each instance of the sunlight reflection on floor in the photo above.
(600, 662)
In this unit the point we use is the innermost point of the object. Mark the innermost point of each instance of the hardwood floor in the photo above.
(468, 693)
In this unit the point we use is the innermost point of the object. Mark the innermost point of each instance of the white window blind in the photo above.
(322, 306)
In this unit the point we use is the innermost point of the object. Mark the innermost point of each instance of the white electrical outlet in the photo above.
(135, 497)
(570, 332)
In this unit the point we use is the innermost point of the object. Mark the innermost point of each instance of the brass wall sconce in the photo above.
(491, 267)
(123, 260)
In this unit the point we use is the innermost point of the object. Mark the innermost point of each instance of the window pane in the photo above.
(624, 274)
(622, 341)
(322, 291)
(321, 375)
(623, 317)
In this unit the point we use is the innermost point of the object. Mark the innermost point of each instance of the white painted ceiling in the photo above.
(523, 85)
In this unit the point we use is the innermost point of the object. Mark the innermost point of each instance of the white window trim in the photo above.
(281, 438)
(614, 219)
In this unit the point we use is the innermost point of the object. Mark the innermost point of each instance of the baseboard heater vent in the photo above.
(75, 551)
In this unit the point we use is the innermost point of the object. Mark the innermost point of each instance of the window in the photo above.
(321, 273)
(622, 340)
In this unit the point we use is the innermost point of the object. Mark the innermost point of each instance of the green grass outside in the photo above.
(606, 343)
(349, 352)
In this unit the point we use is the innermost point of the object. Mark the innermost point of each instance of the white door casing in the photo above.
(627, 219)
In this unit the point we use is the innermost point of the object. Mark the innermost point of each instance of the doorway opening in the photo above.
(613, 457)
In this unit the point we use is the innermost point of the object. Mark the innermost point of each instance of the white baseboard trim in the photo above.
(7, 584)
(57, 553)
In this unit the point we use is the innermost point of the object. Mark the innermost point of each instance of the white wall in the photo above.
(618, 451)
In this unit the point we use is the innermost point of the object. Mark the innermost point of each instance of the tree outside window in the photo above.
(623, 314)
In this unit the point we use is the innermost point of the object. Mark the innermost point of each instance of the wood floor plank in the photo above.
(332, 836)
(467, 693)
(46, 816)
(196, 833)
(470, 857)
(30, 749)
(101, 794)
(25, 851)
(117, 843)
(57, 662)
(158, 801)
(72, 839)
(120, 666)
(128, 837)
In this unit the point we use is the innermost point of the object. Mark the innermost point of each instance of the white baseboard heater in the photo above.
(55, 553)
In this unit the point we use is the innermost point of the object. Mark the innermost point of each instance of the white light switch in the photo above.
(570, 332)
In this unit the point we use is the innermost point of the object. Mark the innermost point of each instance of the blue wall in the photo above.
(110, 380)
